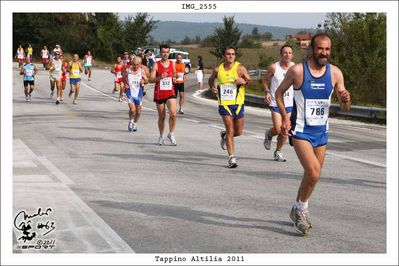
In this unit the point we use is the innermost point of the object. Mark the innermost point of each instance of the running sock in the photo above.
(302, 205)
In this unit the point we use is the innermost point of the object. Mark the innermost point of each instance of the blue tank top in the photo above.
(29, 72)
(312, 102)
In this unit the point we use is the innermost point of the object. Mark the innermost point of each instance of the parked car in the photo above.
(173, 55)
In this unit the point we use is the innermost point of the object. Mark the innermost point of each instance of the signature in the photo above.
(23, 222)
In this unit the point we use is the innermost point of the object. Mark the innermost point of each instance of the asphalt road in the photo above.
(110, 190)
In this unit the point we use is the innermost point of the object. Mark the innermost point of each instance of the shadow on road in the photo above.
(188, 214)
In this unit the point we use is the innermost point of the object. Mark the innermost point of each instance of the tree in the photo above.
(359, 50)
(255, 34)
(226, 36)
(186, 40)
(267, 36)
(137, 30)
(249, 42)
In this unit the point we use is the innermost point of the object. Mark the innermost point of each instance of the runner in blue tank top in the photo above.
(29, 70)
(314, 81)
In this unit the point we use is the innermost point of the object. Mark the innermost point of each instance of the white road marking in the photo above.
(31, 178)
(253, 134)
(55, 171)
(112, 97)
(356, 159)
(191, 120)
(68, 209)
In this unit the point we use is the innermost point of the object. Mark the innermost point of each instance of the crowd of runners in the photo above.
(299, 98)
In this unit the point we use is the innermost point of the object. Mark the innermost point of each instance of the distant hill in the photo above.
(176, 30)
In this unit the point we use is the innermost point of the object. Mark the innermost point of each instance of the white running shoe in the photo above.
(75, 102)
(51, 94)
(61, 99)
(30, 96)
(300, 219)
(130, 126)
(134, 127)
(160, 141)
(278, 156)
(223, 139)
(181, 111)
(27, 98)
(172, 139)
(268, 141)
(232, 162)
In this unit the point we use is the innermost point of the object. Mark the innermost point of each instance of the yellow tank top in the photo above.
(75, 71)
(30, 50)
(229, 92)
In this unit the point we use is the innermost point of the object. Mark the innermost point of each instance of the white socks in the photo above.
(302, 205)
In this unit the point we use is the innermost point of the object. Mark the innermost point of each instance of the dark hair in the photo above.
(319, 35)
(229, 47)
(284, 46)
(164, 46)
(200, 57)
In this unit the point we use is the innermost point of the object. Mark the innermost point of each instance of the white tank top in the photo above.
(44, 53)
(88, 60)
(277, 78)
(20, 54)
(134, 82)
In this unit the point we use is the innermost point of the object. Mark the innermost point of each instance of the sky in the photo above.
(291, 20)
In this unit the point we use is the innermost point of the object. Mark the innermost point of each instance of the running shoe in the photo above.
(51, 93)
(300, 221)
(113, 91)
(70, 93)
(75, 102)
(61, 99)
(29, 97)
(172, 140)
(120, 100)
(233, 162)
(181, 111)
(223, 139)
(130, 126)
(268, 140)
(160, 141)
(278, 156)
(134, 127)
(88, 79)
(57, 102)
(306, 212)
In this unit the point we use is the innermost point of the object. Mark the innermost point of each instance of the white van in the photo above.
(173, 55)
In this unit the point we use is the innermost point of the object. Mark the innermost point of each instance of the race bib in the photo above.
(88, 61)
(76, 72)
(165, 84)
(180, 76)
(118, 75)
(28, 72)
(228, 92)
(317, 112)
(58, 68)
(134, 86)
(20, 56)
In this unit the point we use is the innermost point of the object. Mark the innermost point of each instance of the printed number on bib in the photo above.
(316, 112)
(228, 92)
(180, 76)
(76, 72)
(134, 87)
(165, 84)
(118, 75)
(28, 72)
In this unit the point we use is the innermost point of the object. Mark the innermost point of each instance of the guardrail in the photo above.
(356, 111)
(257, 73)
